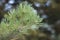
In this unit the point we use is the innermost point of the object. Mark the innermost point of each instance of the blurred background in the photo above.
(49, 10)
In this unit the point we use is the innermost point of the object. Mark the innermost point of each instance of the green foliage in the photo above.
(20, 19)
